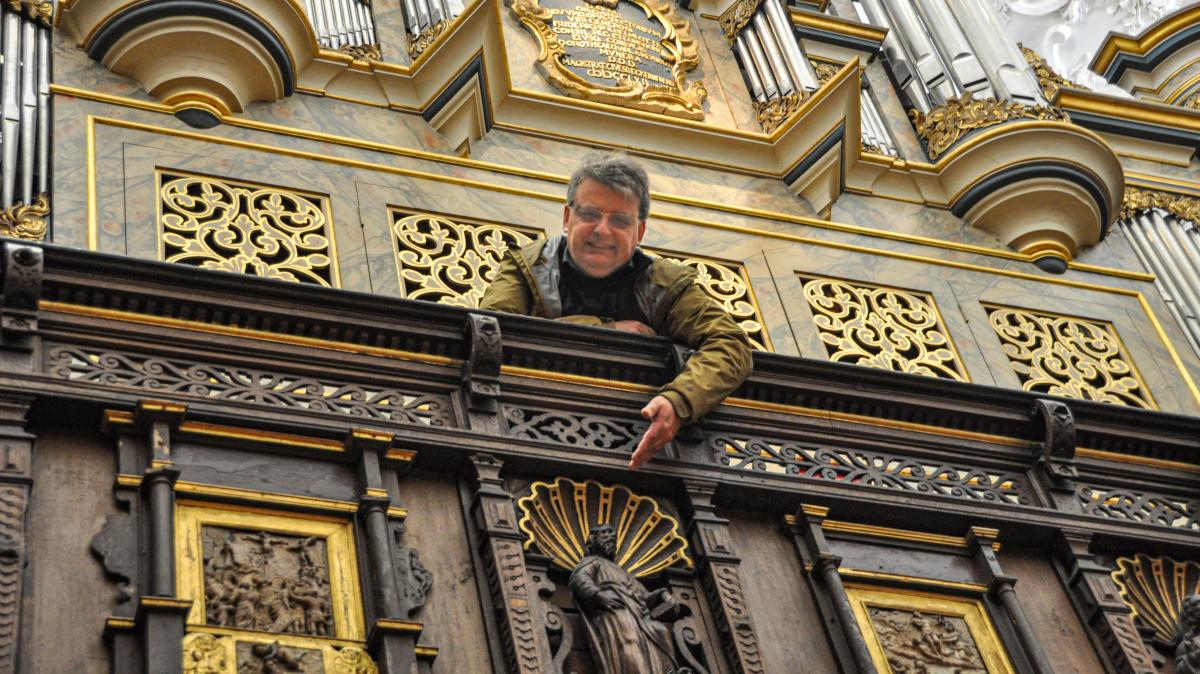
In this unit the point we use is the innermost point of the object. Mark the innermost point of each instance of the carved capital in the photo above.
(21, 292)
(481, 372)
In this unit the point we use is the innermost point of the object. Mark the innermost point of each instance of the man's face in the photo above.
(602, 228)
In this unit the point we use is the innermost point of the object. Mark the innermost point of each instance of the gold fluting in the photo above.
(252, 229)
(363, 52)
(634, 88)
(825, 70)
(946, 124)
(734, 19)
(1047, 78)
(443, 261)
(23, 221)
(207, 654)
(557, 516)
(728, 285)
(417, 45)
(882, 327)
(1139, 199)
(1154, 588)
(777, 110)
(41, 11)
(1069, 357)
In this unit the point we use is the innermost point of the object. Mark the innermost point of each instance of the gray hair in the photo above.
(615, 171)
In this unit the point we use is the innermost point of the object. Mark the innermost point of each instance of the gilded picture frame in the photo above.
(968, 610)
(679, 51)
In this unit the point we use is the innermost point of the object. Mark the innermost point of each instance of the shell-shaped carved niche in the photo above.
(1154, 587)
(556, 517)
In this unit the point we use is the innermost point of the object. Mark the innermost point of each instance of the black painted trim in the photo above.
(838, 39)
(1133, 129)
(124, 22)
(473, 70)
(815, 155)
(1037, 169)
(1150, 60)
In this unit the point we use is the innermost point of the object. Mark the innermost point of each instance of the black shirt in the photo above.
(611, 297)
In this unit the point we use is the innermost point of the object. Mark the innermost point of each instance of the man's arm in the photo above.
(720, 363)
(508, 292)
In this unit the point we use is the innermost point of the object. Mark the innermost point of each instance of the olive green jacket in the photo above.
(527, 283)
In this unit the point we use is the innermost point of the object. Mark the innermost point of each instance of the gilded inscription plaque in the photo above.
(635, 53)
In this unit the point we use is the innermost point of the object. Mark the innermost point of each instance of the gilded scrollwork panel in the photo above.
(230, 225)
(882, 327)
(450, 261)
(728, 284)
(1068, 356)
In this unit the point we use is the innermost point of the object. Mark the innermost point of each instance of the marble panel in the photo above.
(390, 31)
(1191, 172)
(723, 63)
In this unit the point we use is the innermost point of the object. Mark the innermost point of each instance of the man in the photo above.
(595, 274)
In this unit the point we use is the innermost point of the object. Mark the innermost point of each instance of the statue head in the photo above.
(1189, 616)
(602, 541)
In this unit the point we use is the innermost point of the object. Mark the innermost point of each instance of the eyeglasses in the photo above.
(592, 216)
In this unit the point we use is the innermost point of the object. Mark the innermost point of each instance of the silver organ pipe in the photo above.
(922, 53)
(902, 65)
(743, 54)
(760, 62)
(1000, 56)
(24, 108)
(799, 68)
(1168, 248)
(956, 50)
(774, 54)
(345, 23)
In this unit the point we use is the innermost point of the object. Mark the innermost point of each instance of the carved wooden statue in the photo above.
(1187, 654)
(622, 619)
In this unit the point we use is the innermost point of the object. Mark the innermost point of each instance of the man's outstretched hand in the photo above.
(664, 424)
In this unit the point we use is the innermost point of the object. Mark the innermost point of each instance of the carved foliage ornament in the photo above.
(734, 19)
(776, 111)
(882, 327)
(633, 53)
(1139, 199)
(205, 653)
(444, 261)
(41, 11)
(1192, 102)
(557, 517)
(1048, 79)
(1154, 588)
(727, 284)
(363, 52)
(948, 123)
(252, 229)
(26, 221)
(425, 39)
(874, 469)
(1069, 357)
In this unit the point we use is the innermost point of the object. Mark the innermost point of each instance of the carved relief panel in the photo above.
(1068, 356)
(272, 592)
(230, 225)
(910, 632)
(883, 327)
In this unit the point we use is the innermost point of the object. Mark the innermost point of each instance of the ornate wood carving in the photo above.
(1187, 655)
(946, 124)
(1137, 199)
(1058, 440)
(918, 642)
(412, 578)
(1124, 504)
(728, 285)
(1069, 357)
(876, 469)
(494, 514)
(26, 221)
(878, 326)
(22, 290)
(266, 581)
(1155, 589)
(241, 227)
(220, 381)
(573, 428)
(260, 658)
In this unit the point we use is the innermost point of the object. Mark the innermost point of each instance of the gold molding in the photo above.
(883, 577)
(681, 54)
(1139, 460)
(1129, 109)
(318, 136)
(26, 221)
(971, 610)
(344, 586)
(253, 497)
(1149, 38)
(892, 533)
(948, 123)
(836, 25)
(1182, 206)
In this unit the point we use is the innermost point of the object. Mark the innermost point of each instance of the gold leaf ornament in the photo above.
(1181, 206)
(734, 19)
(557, 517)
(1155, 587)
(26, 221)
(207, 654)
(948, 123)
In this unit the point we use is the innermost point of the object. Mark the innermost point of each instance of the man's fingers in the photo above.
(652, 441)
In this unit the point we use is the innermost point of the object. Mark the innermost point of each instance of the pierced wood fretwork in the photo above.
(219, 381)
(882, 327)
(875, 469)
(573, 428)
(1125, 504)
(273, 232)
(1068, 356)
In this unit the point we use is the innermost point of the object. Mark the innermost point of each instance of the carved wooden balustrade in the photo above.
(201, 375)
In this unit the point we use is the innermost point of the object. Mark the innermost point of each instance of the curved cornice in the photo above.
(129, 19)
(1120, 52)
